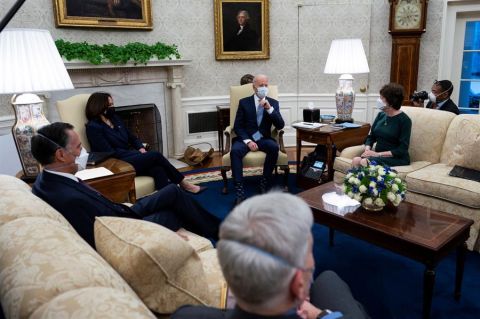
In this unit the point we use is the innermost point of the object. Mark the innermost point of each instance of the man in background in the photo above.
(265, 252)
(439, 97)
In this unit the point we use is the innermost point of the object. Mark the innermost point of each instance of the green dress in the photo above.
(391, 134)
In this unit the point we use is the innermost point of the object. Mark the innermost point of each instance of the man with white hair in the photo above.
(265, 251)
(253, 126)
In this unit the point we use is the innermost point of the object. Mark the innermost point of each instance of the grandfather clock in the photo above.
(407, 24)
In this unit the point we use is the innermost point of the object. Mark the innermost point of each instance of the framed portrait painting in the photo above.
(126, 14)
(241, 30)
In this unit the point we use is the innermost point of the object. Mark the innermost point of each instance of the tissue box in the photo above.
(339, 204)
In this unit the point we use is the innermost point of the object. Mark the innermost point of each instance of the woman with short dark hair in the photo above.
(390, 131)
(106, 132)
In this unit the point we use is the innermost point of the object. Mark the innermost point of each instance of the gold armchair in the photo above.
(72, 110)
(252, 159)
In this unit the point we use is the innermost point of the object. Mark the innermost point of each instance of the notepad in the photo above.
(347, 125)
(90, 173)
(311, 125)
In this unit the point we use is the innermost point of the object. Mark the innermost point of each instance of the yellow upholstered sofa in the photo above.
(436, 144)
(48, 271)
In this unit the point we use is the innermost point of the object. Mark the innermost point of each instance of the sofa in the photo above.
(439, 141)
(140, 269)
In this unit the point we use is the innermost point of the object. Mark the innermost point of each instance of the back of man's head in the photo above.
(263, 241)
(48, 139)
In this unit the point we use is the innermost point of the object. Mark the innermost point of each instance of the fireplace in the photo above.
(158, 83)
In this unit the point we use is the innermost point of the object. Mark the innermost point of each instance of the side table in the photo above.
(223, 120)
(328, 135)
(119, 187)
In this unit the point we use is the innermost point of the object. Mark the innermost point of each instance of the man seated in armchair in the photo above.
(253, 124)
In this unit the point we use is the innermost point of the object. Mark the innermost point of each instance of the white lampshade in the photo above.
(30, 62)
(346, 56)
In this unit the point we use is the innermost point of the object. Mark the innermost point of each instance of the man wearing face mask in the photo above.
(265, 252)
(253, 124)
(391, 131)
(57, 147)
(439, 98)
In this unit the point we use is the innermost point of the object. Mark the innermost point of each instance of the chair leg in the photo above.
(286, 173)
(225, 181)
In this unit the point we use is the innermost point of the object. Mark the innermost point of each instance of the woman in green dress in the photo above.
(391, 131)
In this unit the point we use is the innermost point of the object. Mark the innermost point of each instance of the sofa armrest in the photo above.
(228, 139)
(353, 151)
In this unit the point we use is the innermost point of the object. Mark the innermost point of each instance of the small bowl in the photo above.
(327, 118)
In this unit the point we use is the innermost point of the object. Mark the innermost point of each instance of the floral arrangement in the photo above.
(374, 185)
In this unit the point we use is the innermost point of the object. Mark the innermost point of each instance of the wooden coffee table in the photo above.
(420, 233)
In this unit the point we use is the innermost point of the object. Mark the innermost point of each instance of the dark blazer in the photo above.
(78, 203)
(246, 119)
(120, 140)
(247, 40)
(449, 106)
(202, 312)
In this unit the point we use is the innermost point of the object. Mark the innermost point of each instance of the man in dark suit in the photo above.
(56, 147)
(265, 252)
(439, 98)
(253, 125)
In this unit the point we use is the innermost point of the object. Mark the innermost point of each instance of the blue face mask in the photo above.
(262, 92)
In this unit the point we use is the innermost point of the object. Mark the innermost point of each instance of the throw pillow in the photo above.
(162, 268)
(467, 152)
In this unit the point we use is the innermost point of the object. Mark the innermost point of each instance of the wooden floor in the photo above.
(216, 159)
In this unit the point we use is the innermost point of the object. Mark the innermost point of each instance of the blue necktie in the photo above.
(259, 114)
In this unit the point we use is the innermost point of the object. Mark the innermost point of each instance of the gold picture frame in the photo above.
(123, 14)
(242, 30)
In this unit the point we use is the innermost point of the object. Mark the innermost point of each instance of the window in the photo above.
(469, 95)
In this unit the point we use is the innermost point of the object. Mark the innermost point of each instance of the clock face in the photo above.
(408, 15)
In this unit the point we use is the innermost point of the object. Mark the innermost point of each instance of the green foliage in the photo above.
(111, 53)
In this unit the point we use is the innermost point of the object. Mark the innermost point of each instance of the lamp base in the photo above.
(340, 121)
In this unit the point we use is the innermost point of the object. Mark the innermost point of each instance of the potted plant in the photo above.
(116, 54)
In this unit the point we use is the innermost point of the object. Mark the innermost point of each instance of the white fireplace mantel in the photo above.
(168, 72)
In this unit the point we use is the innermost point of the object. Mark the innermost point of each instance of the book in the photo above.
(465, 173)
(90, 173)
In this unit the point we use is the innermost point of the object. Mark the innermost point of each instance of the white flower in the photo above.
(391, 196)
(357, 181)
(375, 192)
(379, 202)
(381, 171)
(349, 175)
(368, 201)
(379, 178)
(351, 180)
(357, 197)
(350, 194)
(398, 198)
(396, 203)
(362, 189)
(392, 174)
(398, 180)
(372, 184)
(394, 187)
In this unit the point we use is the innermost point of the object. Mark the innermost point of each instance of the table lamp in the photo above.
(346, 57)
(30, 63)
